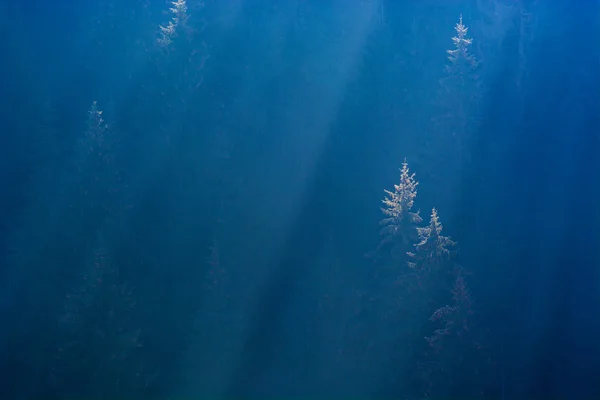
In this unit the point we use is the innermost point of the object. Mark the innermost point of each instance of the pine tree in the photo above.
(96, 141)
(99, 178)
(459, 92)
(433, 248)
(399, 223)
(457, 363)
(454, 348)
(462, 62)
(454, 318)
(432, 266)
(179, 67)
(454, 355)
(450, 139)
(177, 23)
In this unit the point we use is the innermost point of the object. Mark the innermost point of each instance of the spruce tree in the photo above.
(449, 142)
(399, 224)
(462, 62)
(433, 249)
(176, 24)
(457, 361)
(459, 93)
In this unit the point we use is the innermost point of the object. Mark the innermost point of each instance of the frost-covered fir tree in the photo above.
(459, 91)
(400, 221)
(180, 60)
(454, 125)
(460, 58)
(433, 248)
(176, 24)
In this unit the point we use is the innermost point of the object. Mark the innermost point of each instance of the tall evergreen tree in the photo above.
(454, 126)
(459, 92)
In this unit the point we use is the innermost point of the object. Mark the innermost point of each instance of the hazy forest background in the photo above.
(376, 199)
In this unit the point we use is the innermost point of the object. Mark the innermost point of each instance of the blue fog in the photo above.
(300, 198)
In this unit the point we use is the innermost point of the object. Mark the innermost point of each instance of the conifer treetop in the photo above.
(96, 127)
(179, 9)
(95, 119)
(460, 54)
(432, 244)
(399, 221)
(399, 202)
(179, 18)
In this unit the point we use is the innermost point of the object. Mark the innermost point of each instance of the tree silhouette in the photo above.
(457, 362)
(97, 352)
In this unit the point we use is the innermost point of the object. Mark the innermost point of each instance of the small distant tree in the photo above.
(94, 140)
(96, 147)
(98, 182)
